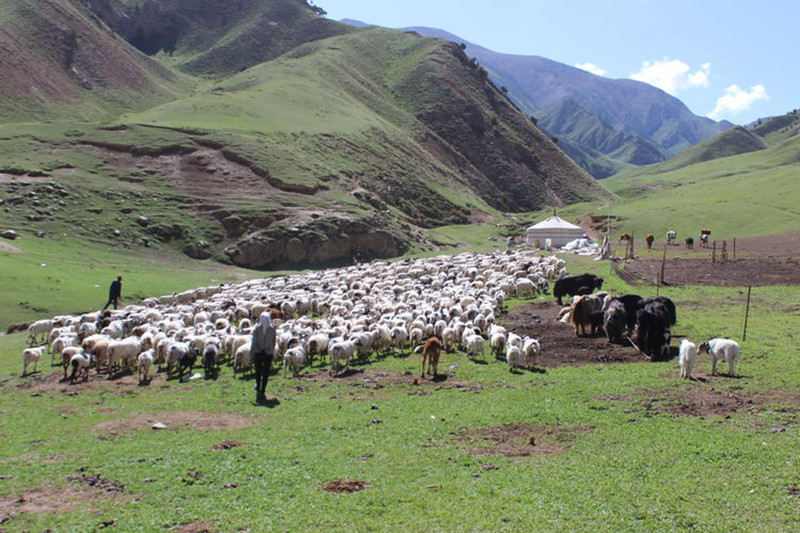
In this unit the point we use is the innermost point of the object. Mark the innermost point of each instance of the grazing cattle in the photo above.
(689, 243)
(573, 285)
(583, 311)
(625, 237)
(671, 236)
(650, 239)
(669, 304)
(704, 235)
(430, 353)
(615, 321)
(631, 304)
(720, 349)
(653, 335)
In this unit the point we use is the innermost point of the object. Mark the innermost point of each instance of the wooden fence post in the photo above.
(746, 314)
(714, 253)
(734, 247)
(663, 263)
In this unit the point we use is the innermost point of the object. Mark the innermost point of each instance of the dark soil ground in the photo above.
(759, 261)
(560, 345)
(520, 440)
(736, 273)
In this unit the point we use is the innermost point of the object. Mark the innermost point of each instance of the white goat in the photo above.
(720, 349)
(687, 357)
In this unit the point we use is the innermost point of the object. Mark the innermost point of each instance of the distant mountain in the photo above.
(763, 134)
(652, 123)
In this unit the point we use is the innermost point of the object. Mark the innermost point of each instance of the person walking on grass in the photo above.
(263, 349)
(114, 292)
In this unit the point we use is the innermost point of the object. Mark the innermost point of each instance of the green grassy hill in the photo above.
(753, 193)
(216, 39)
(388, 85)
(360, 141)
(59, 62)
(735, 141)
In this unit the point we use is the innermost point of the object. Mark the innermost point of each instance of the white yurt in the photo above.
(557, 230)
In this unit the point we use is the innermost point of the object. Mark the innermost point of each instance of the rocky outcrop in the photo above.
(324, 242)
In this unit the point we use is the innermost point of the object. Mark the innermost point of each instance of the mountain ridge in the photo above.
(540, 86)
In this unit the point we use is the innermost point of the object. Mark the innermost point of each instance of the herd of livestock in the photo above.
(345, 314)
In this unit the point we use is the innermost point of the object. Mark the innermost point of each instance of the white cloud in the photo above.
(672, 75)
(591, 67)
(736, 100)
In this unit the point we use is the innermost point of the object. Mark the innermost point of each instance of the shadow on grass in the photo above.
(270, 402)
(532, 370)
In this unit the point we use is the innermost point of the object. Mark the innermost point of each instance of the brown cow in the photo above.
(430, 352)
(625, 237)
(649, 240)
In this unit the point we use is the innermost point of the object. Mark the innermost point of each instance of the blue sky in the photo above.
(732, 59)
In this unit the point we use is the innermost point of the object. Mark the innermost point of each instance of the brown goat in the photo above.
(430, 352)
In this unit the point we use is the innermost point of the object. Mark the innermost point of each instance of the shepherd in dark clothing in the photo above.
(114, 292)
(263, 349)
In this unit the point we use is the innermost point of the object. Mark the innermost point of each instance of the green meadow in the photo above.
(610, 455)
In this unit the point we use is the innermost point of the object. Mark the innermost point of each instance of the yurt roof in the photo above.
(555, 222)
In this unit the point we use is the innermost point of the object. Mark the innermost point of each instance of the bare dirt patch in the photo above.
(559, 345)
(700, 402)
(94, 481)
(5, 247)
(345, 485)
(706, 401)
(53, 382)
(54, 500)
(177, 419)
(734, 273)
(372, 379)
(195, 527)
(520, 440)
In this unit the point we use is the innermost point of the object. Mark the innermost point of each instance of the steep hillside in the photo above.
(570, 120)
(355, 144)
(414, 91)
(212, 38)
(735, 141)
(539, 86)
(58, 61)
(777, 129)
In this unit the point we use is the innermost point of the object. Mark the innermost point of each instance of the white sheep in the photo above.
(513, 357)
(243, 358)
(31, 355)
(720, 349)
(293, 358)
(530, 349)
(124, 352)
(340, 351)
(686, 357)
(474, 345)
(40, 327)
(145, 363)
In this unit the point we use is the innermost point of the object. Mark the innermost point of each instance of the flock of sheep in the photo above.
(340, 314)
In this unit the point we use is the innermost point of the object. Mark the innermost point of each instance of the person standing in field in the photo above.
(114, 292)
(263, 349)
